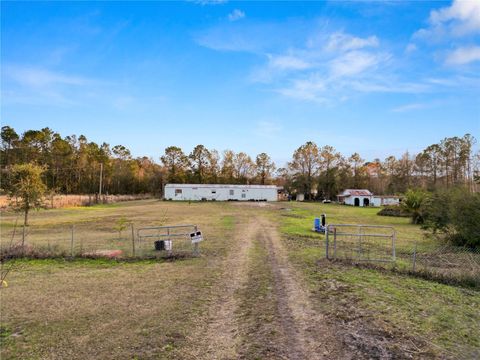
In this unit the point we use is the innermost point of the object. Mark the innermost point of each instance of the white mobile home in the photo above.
(221, 192)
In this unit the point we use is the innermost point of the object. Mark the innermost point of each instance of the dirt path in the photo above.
(219, 338)
(262, 309)
(305, 334)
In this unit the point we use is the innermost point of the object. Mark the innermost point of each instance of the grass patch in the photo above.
(449, 319)
(447, 323)
(56, 308)
(228, 222)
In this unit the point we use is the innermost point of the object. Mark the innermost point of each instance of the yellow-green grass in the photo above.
(147, 309)
(108, 309)
(443, 317)
(298, 218)
(97, 227)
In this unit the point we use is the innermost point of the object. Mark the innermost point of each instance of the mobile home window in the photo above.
(178, 191)
(231, 192)
(244, 196)
(214, 191)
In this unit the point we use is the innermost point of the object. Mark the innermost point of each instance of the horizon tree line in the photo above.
(74, 165)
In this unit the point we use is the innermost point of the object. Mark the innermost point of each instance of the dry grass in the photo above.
(96, 228)
(62, 201)
(243, 285)
(106, 309)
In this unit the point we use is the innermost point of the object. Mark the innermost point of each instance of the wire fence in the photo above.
(379, 246)
(443, 261)
(123, 240)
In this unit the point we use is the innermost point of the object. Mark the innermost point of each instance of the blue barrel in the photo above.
(316, 224)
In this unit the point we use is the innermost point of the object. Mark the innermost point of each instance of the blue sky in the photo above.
(378, 78)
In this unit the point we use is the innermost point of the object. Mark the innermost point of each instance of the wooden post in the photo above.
(133, 240)
(71, 242)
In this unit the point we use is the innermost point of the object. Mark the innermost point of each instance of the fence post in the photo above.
(196, 250)
(133, 240)
(81, 246)
(394, 236)
(335, 242)
(326, 242)
(414, 257)
(23, 236)
(195, 246)
(23, 240)
(71, 242)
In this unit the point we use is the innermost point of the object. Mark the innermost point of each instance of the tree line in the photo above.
(74, 165)
(322, 172)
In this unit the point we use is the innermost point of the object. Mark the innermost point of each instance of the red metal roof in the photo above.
(356, 192)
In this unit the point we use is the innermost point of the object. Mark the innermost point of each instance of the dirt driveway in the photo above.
(263, 309)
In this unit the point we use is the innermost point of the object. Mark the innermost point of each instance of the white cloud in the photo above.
(409, 107)
(209, 2)
(340, 41)
(38, 78)
(463, 55)
(410, 48)
(41, 86)
(464, 14)
(279, 66)
(319, 66)
(459, 19)
(285, 62)
(353, 63)
(328, 73)
(311, 88)
(389, 86)
(240, 37)
(236, 15)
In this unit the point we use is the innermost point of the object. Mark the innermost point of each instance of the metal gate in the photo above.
(176, 237)
(373, 243)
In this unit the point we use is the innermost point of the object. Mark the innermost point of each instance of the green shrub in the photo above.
(454, 213)
(413, 204)
(393, 210)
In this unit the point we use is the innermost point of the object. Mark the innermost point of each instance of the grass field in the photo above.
(298, 221)
(240, 298)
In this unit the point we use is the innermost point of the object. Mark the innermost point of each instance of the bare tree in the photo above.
(264, 167)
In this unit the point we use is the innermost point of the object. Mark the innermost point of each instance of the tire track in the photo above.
(218, 335)
(305, 332)
(261, 308)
